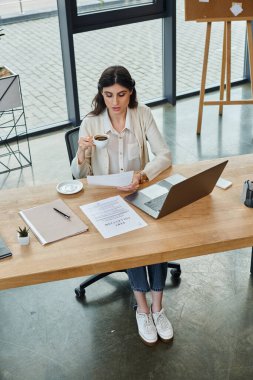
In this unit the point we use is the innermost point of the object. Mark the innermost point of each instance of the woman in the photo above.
(129, 126)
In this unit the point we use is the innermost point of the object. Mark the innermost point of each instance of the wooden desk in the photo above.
(215, 223)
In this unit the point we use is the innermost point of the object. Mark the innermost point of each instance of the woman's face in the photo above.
(116, 99)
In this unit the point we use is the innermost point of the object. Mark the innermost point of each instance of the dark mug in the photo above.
(247, 194)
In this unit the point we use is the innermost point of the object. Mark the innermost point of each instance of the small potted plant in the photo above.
(23, 237)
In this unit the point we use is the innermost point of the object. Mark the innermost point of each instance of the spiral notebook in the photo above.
(53, 221)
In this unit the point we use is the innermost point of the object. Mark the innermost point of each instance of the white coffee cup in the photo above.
(100, 141)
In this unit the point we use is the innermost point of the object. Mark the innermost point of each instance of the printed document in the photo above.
(113, 216)
(115, 180)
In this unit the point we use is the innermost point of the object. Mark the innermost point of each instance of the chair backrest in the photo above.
(71, 138)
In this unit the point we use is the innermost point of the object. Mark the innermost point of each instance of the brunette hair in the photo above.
(109, 77)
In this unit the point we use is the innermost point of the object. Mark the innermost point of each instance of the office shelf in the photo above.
(14, 143)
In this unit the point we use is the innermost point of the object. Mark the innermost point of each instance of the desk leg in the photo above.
(251, 266)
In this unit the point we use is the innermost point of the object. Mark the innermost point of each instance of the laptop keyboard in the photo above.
(157, 203)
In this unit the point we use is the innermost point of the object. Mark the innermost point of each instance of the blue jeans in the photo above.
(157, 274)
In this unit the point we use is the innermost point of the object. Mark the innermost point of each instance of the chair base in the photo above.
(175, 271)
(80, 291)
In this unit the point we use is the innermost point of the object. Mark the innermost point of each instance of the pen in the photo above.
(62, 213)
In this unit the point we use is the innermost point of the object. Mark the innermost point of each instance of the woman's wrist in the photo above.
(80, 156)
(142, 177)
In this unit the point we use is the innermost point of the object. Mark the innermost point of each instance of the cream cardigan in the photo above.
(145, 129)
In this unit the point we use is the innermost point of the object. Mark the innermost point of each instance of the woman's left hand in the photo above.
(134, 185)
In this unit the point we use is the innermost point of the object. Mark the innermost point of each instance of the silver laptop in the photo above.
(175, 192)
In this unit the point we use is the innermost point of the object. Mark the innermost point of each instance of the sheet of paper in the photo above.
(115, 180)
(175, 178)
(113, 216)
(236, 9)
(154, 191)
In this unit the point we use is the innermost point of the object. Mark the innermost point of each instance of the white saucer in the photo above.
(69, 187)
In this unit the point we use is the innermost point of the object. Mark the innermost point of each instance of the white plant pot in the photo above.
(23, 240)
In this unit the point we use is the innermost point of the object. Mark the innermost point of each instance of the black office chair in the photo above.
(71, 138)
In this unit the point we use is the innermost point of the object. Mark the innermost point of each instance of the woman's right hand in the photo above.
(83, 144)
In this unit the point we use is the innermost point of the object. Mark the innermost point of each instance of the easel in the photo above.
(225, 69)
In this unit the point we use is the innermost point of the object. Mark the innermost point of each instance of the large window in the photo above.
(31, 48)
(106, 32)
(120, 37)
(141, 54)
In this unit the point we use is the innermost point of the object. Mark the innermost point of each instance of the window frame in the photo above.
(116, 17)
(67, 20)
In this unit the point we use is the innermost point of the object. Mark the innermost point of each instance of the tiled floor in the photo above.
(46, 334)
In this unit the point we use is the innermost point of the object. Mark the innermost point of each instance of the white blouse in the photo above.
(123, 147)
(141, 127)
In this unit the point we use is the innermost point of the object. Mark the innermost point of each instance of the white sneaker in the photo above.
(163, 326)
(146, 328)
